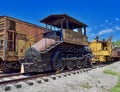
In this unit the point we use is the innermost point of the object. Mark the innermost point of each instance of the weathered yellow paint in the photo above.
(74, 37)
(16, 35)
(21, 48)
(23, 45)
(101, 50)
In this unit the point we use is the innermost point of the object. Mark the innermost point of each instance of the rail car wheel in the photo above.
(79, 64)
(69, 64)
(88, 62)
(15, 65)
(5, 67)
(60, 64)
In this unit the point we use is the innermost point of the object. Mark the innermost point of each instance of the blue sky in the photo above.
(101, 16)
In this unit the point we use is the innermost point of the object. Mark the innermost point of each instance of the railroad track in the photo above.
(18, 79)
(9, 85)
(10, 78)
(15, 78)
(10, 75)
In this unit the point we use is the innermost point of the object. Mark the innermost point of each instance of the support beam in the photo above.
(61, 30)
(51, 27)
(67, 24)
(85, 31)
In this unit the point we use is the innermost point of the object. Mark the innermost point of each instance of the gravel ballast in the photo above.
(92, 81)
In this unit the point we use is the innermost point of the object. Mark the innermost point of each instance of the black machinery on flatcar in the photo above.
(65, 46)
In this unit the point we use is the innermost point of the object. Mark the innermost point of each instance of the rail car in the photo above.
(14, 34)
(116, 53)
(104, 51)
(65, 46)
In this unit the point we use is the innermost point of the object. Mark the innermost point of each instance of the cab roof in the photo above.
(55, 20)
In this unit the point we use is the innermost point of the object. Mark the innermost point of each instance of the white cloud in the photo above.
(105, 31)
(89, 29)
(117, 19)
(92, 35)
(117, 27)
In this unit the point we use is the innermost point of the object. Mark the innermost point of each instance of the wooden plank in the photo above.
(74, 37)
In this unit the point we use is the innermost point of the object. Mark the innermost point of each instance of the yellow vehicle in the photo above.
(102, 50)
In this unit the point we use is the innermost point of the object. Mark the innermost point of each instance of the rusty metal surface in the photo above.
(116, 52)
(20, 32)
(43, 44)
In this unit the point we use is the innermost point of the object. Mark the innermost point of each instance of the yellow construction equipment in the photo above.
(102, 50)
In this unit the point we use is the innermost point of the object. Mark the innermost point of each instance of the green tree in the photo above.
(117, 43)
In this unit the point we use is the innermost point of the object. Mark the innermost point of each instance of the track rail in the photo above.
(43, 75)
(19, 79)
(11, 75)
